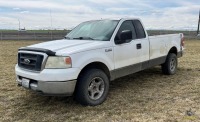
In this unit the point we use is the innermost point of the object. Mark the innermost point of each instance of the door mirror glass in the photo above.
(124, 36)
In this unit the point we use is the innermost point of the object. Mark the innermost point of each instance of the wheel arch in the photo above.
(173, 50)
(96, 65)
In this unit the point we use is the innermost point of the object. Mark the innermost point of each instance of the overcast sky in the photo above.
(157, 14)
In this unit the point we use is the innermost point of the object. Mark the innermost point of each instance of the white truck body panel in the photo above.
(91, 56)
(126, 55)
(161, 44)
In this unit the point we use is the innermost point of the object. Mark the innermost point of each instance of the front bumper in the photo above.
(49, 81)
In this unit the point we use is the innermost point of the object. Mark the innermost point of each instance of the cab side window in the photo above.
(139, 29)
(126, 25)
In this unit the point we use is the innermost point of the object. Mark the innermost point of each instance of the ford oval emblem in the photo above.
(27, 61)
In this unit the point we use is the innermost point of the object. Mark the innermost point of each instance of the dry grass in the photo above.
(145, 96)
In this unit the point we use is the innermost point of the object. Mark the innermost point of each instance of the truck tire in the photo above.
(170, 65)
(92, 87)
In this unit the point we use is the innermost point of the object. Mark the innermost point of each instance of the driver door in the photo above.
(127, 56)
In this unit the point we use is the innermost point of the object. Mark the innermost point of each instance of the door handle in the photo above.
(139, 46)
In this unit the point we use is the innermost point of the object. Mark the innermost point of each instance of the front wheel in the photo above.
(170, 65)
(92, 87)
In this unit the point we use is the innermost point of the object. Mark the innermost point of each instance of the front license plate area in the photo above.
(25, 82)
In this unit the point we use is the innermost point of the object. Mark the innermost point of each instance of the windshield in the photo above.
(101, 30)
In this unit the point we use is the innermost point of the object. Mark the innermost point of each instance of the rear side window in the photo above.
(139, 29)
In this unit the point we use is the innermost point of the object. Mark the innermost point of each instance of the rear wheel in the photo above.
(170, 65)
(92, 87)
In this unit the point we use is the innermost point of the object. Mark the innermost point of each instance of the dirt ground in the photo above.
(145, 96)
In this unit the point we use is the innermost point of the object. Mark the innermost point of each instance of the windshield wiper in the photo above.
(84, 38)
(67, 37)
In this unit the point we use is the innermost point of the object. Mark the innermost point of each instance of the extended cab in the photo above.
(93, 54)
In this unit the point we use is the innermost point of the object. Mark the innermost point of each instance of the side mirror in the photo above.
(124, 36)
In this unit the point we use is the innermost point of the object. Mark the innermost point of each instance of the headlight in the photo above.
(54, 62)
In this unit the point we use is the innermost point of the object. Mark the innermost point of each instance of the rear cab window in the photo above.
(140, 33)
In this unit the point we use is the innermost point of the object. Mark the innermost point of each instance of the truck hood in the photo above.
(65, 47)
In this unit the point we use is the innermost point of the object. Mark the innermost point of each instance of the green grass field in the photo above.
(145, 96)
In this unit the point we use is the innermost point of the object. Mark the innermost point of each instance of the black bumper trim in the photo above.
(179, 54)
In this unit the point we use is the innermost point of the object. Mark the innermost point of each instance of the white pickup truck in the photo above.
(93, 54)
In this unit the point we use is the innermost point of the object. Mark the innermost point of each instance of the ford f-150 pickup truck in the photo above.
(93, 54)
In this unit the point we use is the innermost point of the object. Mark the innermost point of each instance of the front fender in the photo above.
(80, 60)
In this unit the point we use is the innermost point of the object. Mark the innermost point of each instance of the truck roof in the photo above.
(127, 18)
(116, 19)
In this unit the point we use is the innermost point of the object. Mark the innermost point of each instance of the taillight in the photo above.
(182, 40)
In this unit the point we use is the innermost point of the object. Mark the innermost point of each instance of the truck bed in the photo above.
(161, 44)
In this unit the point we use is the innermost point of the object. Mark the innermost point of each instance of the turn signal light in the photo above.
(68, 60)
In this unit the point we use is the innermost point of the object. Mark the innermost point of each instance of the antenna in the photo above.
(198, 24)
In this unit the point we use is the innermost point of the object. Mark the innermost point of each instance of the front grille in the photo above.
(30, 61)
